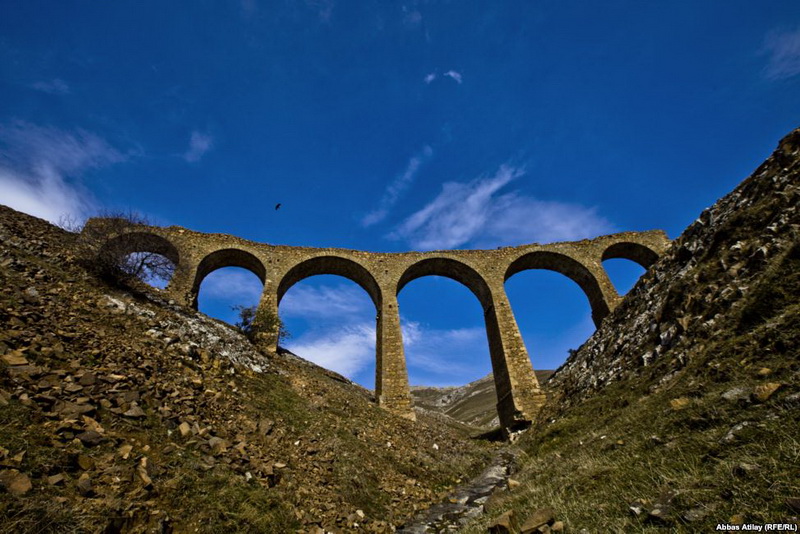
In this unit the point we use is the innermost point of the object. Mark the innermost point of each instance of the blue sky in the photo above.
(396, 126)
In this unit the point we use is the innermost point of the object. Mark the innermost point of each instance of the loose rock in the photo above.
(14, 482)
(763, 392)
(505, 524)
(537, 519)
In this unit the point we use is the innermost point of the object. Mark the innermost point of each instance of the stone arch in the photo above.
(336, 265)
(449, 268)
(130, 242)
(226, 257)
(518, 393)
(569, 267)
(635, 252)
(133, 242)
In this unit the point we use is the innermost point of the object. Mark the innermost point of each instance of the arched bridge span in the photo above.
(383, 276)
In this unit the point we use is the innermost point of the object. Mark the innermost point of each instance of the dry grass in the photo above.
(627, 444)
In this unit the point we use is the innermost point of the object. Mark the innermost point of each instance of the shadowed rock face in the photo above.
(383, 276)
(682, 410)
(711, 271)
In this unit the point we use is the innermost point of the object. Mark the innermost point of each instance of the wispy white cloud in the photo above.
(457, 215)
(53, 87)
(199, 144)
(454, 75)
(783, 48)
(233, 283)
(40, 169)
(398, 186)
(338, 303)
(473, 213)
(421, 338)
(343, 336)
(445, 356)
(345, 350)
(434, 357)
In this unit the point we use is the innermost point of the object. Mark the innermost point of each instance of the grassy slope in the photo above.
(300, 447)
(662, 436)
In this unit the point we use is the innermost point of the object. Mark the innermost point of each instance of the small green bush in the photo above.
(257, 323)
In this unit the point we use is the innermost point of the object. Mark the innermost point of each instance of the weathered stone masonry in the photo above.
(383, 276)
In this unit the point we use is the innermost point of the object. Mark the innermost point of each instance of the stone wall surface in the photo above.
(383, 276)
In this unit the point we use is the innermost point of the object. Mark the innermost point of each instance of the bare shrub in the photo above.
(118, 253)
(70, 223)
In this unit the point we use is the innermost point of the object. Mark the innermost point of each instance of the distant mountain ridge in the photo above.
(473, 404)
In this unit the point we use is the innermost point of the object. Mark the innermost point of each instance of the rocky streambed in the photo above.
(467, 501)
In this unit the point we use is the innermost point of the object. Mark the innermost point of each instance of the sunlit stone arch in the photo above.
(110, 241)
(454, 269)
(569, 267)
(222, 258)
(334, 265)
(629, 250)
(518, 392)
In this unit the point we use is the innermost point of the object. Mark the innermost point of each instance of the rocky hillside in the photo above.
(120, 412)
(474, 404)
(682, 411)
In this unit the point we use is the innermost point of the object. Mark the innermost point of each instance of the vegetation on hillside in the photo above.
(255, 322)
(712, 443)
(122, 413)
(682, 411)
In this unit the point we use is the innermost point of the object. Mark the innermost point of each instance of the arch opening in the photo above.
(444, 335)
(148, 257)
(553, 315)
(448, 337)
(449, 268)
(623, 273)
(634, 252)
(226, 291)
(334, 265)
(569, 267)
(331, 320)
(229, 257)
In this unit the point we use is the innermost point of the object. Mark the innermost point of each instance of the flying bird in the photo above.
(277, 206)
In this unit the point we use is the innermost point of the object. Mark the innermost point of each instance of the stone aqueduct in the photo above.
(383, 276)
